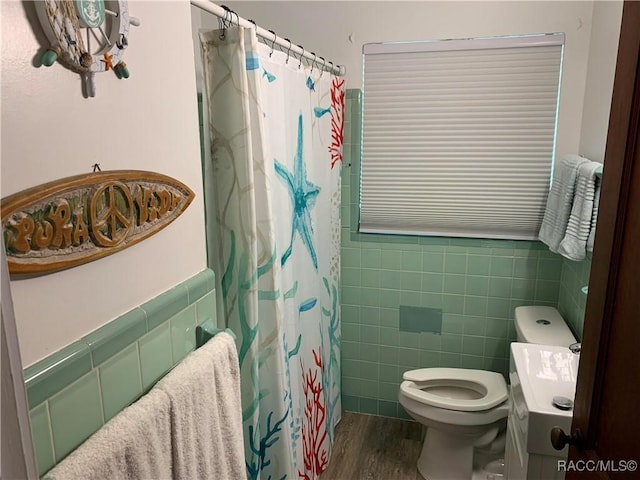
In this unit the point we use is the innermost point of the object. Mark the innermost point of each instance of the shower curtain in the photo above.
(273, 226)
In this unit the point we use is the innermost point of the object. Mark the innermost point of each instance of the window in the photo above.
(458, 136)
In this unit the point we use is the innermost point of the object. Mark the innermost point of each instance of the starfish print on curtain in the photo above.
(282, 301)
(303, 194)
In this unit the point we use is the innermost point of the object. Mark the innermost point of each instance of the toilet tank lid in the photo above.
(543, 325)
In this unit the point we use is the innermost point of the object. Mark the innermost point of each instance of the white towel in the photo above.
(206, 417)
(594, 218)
(135, 444)
(560, 201)
(581, 222)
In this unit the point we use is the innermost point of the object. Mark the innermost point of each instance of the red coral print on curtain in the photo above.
(337, 120)
(314, 431)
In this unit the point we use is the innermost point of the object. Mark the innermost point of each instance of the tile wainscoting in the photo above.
(76, 390)
(572, 300)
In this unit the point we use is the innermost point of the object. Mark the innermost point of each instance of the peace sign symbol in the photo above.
(111, 214)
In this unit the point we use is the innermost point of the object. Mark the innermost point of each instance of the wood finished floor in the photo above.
(371, 447)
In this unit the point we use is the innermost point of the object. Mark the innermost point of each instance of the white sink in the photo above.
(539, 373)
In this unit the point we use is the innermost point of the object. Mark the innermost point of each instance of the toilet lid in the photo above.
(454, 388)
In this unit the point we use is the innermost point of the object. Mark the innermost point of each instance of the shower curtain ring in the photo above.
(237, 18)
(273, 42)
(226, 13)
(228, 18)
(300, 57)
(324, 62)
(223, 23)
(288, 50)
(221, 28)
(313, 62)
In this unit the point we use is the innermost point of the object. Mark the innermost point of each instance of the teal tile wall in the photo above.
(572, 300)
(477, 284)
(73, 392)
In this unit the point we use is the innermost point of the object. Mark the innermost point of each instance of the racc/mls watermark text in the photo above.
(597, 465)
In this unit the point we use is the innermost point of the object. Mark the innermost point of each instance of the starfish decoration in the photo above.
(303, 196)
(108, 62)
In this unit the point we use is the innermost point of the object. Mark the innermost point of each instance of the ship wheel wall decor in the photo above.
(86, 36)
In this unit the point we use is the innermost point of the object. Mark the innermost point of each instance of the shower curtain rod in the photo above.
(269, 35)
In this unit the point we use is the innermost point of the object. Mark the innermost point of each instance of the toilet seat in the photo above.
(456, 387)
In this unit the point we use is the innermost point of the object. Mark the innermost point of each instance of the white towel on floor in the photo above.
(206, 417)
(560, 201)
(135, 444)
(583, 215)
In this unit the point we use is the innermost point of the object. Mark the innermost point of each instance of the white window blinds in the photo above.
(458, 136)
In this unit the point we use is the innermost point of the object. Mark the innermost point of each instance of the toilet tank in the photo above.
(543, 325)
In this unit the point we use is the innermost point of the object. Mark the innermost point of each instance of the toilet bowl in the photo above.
(462, 409)
(465, 411)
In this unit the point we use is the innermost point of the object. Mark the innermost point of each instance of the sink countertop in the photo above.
(543, 372)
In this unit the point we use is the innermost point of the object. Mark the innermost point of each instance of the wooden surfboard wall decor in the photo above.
(75, 220)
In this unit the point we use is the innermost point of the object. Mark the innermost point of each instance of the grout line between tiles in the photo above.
(51, 442)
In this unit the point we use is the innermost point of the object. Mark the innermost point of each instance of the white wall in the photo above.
(603, 49)
(337, 31)
(148, 122)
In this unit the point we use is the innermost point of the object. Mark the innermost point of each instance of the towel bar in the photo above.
(598, 172)
(208, 330)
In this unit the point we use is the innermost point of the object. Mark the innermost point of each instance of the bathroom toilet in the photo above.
(465, 411)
